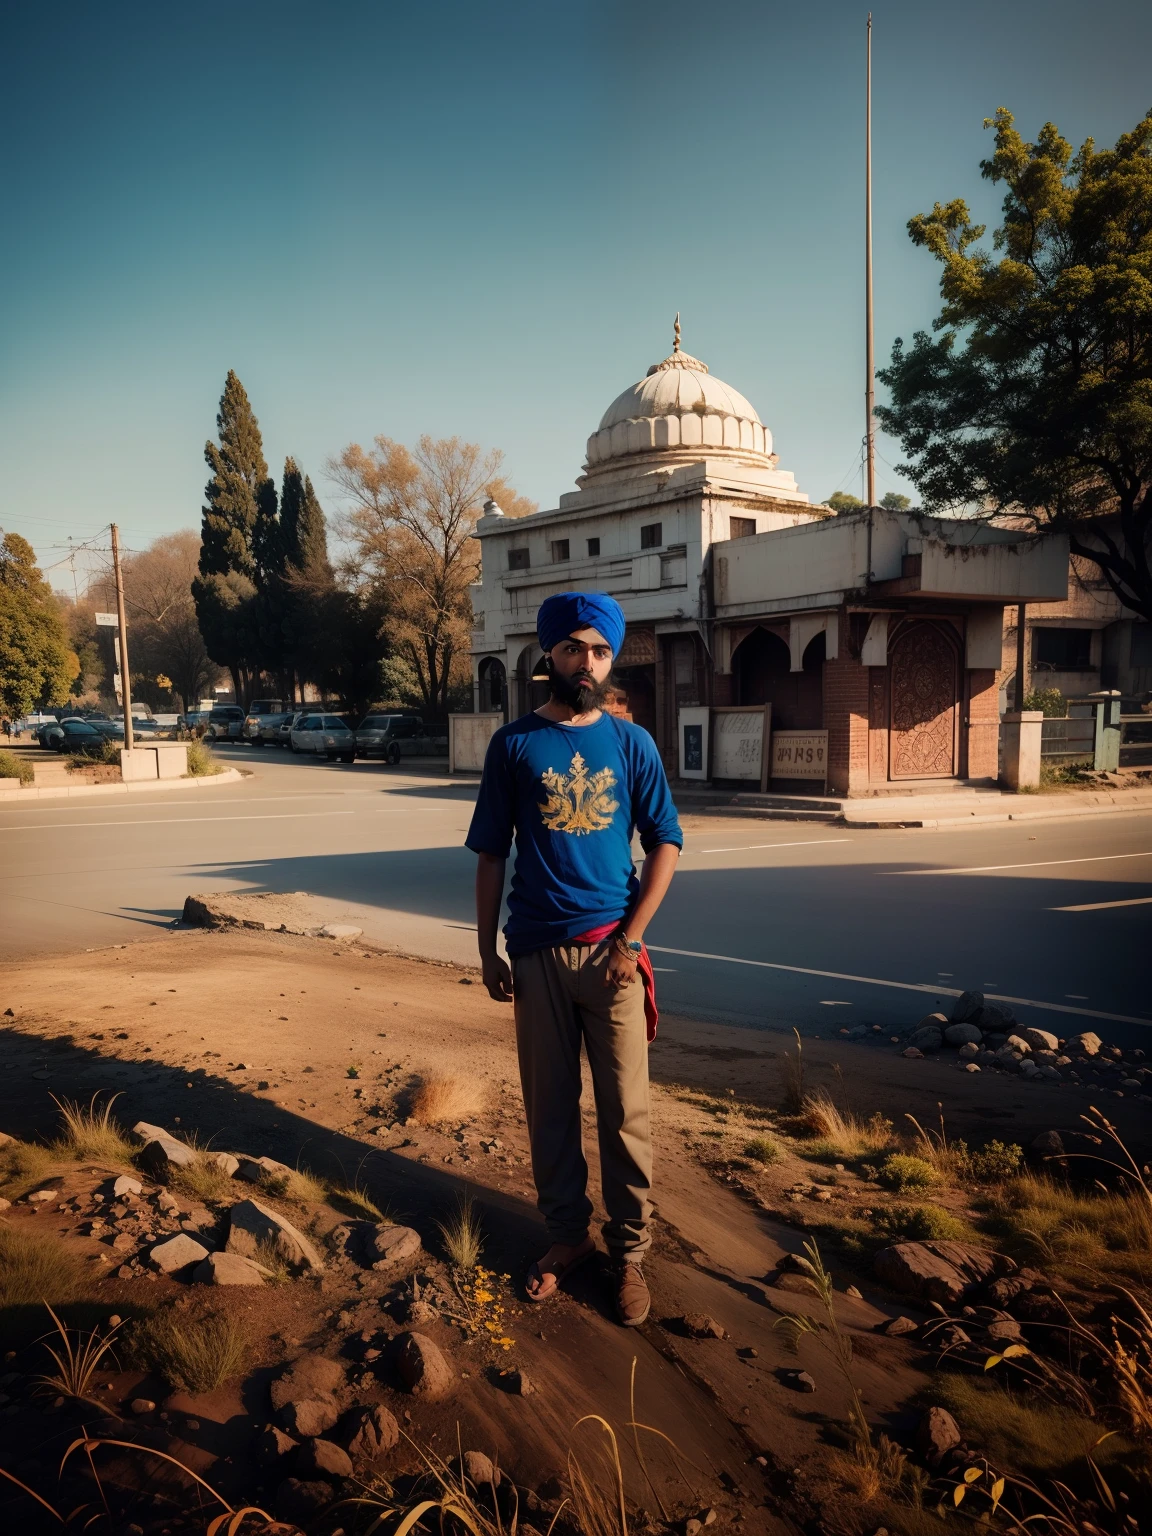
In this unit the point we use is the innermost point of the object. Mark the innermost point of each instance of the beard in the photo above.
(579, 692)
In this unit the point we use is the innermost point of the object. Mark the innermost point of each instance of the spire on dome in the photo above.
(676, 335)
(676, 358)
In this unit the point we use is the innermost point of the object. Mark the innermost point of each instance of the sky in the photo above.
(479, 221)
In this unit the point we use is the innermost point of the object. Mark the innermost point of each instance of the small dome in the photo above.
(678, 413)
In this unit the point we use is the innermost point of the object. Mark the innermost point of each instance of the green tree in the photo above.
(842, 501)
(37, 666)
(1035, 397)
(892, 501)
(238, 541)
(300, 595)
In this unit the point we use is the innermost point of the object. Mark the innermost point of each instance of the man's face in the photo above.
(580, 668)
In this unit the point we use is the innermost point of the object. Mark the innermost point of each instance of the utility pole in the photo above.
(122, 630)
(870, 388)
(1021, 654)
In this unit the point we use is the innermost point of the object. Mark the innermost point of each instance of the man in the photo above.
(573, 782)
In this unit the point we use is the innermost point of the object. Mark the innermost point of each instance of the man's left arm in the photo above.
(659, 829)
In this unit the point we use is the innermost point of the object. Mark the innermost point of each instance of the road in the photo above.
(768, 924)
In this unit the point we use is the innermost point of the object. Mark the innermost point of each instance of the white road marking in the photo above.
(814, 842)
(51, 826)
(1100, 906)
(984, 869)
(903, 986)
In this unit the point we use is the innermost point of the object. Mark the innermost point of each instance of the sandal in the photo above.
(560, 1272)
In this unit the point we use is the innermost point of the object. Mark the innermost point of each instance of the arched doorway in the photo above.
(923, 738)
(531, 695)
(493, 689)
(762, 667)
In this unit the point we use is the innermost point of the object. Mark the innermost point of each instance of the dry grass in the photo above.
(762, 1149)
(36, 1269)
(461, 1234)
(841, 1133)
(23, 1164)
(354, 1200)
(204, 1180)
(1106, 1232)
(443, 1098)
(201, 762)
(91, 1134)
(794, 1095)
(76, 1363)
(196, 1353)
(298, 1185)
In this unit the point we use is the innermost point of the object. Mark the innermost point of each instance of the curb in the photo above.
(21, 796)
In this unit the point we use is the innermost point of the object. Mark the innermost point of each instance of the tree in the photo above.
(842, 501)
(239, 540)
(1034, 400)
(892, 501)
(37, 667)
(412, 521)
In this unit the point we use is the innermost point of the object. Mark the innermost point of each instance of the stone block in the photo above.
(171, 759)
(177, 1253)
(963, 1034)
(160, 1150)
(251, 1224)
(1041, 1039)
(229, 1269)
(423, 1367)
(966, 1007)
(138, 764)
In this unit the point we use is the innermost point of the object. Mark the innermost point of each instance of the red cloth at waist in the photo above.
(644, 965)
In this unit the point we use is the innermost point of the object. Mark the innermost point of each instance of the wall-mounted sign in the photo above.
(693, 742)
(740, 743)
(800, 755)
(107, 621)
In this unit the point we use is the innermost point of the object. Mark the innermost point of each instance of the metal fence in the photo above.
(1069, 740)
(1135, 741)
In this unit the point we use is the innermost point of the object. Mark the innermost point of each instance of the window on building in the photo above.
(560, 549)
(741, 527)
(518, 560)
(1062, 650)
(652, 536)
(593, 546)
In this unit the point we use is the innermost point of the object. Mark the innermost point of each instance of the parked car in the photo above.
(325, 735)
(72, 735)
(395, 736)
(287, 726)
(225, 723)
(265, 727)
(267, 707)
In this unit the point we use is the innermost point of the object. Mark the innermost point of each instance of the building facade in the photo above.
(883, 629)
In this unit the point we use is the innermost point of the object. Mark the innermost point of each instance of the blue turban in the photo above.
(568, 611)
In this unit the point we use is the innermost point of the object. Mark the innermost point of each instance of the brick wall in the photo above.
(983, 723)
(846, 719)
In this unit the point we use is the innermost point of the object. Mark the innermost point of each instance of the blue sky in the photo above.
(453, 218)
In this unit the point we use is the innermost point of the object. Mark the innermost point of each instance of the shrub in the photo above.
(762, 1149)
(1050, 700)
(197, 1354)
(13, 767)
(843, 1136)
(993, 1163)
(901, 1171)
(920, 1223)
(442, 1097)
(201, 762)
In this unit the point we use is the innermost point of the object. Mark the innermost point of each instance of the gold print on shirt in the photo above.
(578, 802)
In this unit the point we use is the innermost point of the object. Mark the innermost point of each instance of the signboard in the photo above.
(740, 743)
(108, 621)
(800, 755)
(693, 734)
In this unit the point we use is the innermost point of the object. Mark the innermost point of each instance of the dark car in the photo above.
(72, 735)
(225, 723)
(395, 736)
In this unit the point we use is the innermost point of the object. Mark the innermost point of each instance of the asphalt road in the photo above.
(768, 924)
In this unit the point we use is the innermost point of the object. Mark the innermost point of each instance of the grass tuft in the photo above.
(921, 1223)
(354, 1200)
(204, 1180)
(842, 1134)
(91, 1134)
(201, 762)
(762, 1149)
(76, 1363)
(298, 1185)
(902, 1171)
(461, 1234)
(197, 1354)
(34, 1269)
(15, 767)
(25, 1163)
(1039, 1217)
(442, 1097)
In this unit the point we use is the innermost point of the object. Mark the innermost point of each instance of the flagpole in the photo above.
(870, 395)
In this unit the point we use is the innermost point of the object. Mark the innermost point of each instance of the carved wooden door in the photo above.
(925, 699)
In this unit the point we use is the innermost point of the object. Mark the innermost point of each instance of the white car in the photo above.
(325, 735)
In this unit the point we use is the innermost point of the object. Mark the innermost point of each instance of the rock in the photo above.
(963, 1034)
(985, 1058)
(423, 1367)
(478, 1469)
(226, 1163)
(519, 1383)
(229, 1269)
(897, 1327)
(1049, 1074)
(5, 1205)
(994, 1016)
(388, 1245)
(370, 1432)
(298, 1499)
(166, 1202)
(936, 1434)
(1001, 1293)
(700, 1326)
(938, 1271)
(799, 1381)
(310, 1376)
(966, 1007)
(161, 1151)
(143, 1405)
(251, 1224)
(692, 1527)
(254, 1170)
(1018, 1044)
(125, 1185)
(1029, 1068)
(1087, 1043)
(970, 1066)
(933, 1021)
(37, 1195)
(950, 1337)
(339, 931)
(307, 1417)
(271, 1444)
(1005, 1331)
(929, 1037)
(854, 1292)
(1041, 1039)
(322, 1458)
(913, 1053)
(176, 1252)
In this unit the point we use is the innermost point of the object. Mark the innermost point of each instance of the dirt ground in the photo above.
(304, 1050)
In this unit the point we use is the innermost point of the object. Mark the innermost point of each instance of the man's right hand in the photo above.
(497, 978)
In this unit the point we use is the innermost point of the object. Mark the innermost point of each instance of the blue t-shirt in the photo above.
(573, 795)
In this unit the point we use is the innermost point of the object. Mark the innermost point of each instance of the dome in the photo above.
(678, 413)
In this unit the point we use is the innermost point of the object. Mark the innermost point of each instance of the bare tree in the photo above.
(412, 520)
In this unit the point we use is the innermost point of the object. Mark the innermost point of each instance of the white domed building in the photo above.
(761, 629)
